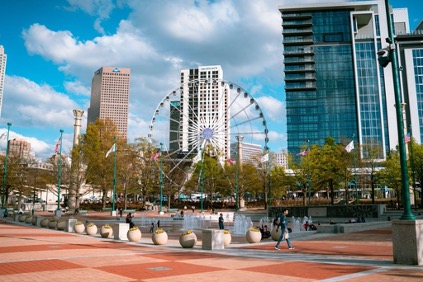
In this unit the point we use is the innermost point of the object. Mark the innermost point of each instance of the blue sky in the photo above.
(55, 46)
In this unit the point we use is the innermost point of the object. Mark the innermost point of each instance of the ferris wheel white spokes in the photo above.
(206, 113)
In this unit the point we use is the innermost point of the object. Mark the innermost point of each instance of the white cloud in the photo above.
(98, 8)
(77, 88)
(157, 40)
(39, 148)
(273, 108)
(36, 105)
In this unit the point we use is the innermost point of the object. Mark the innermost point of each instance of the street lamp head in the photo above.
(384, 57)
(9, 124)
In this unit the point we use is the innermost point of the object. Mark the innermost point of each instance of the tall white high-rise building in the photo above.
(3, 59)
(110, 97)
(204, 110)
(248, 152)
(282, 159)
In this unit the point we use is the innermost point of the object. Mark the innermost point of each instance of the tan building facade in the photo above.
(19, 148)
(110, 97)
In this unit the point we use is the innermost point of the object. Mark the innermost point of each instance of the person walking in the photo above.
(129, 220)
(283, 224)
(221, 225)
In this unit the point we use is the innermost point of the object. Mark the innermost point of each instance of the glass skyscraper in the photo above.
(334, 85)
(411, 60)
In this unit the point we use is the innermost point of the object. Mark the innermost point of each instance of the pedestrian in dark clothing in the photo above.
(129, 220)
(152, 227)
(120, 213)
(221, 225)
(158, 224)
(283, 225)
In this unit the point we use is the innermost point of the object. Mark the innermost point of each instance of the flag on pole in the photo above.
(155, 155)
(350, 147)
(197, 158)
(112, 149)
(56, 149)
(407, 137)
(231, 161)
(303, 153)
(265, 158)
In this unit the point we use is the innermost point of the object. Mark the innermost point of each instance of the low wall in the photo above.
(352, 227)
(350, 211)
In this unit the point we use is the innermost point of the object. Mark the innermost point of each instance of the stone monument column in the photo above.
(75, 168)
(77, 126)
(239, 162)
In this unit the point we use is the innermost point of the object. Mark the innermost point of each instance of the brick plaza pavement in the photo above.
(29, 253)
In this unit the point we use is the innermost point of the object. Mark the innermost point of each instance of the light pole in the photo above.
(236, 181)
(239, 139)
(392, 57)
(5, 165)
(355, 174)
(161, 178)
(114, 177)
(201, 179)
(59, 175)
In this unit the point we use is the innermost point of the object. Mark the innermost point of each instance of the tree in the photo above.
(18, 175)
(97, 140)
(77, 177)
(416, 165)
(279, 182)
(390, 175)
(327, 166)
(303, 172)
(146, 169)
(372, 154)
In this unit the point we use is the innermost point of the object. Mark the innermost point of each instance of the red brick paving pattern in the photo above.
(309, 270)
(393, 275)
(69, 257)
(156, 270)
(35, 266)
(178, 256)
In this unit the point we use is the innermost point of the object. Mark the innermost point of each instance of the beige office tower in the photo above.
(19, 148)
(110, 97)
(3, 59)
(204, 110)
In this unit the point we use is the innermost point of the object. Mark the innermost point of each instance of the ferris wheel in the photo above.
(213, 115)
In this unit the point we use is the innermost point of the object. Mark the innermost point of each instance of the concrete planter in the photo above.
(106, 232)
(22, 218)
(134, 235)
(253, 236)
(79, 228)
(160, 238)
(44, 222)
(52, 224)
(91, 229)
(61, 225)
(28, 219)
(227, 239)
(188, 240)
